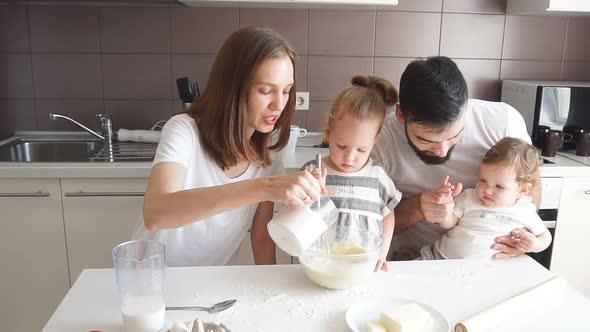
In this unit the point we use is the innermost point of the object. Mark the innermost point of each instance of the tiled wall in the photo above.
(124, 60)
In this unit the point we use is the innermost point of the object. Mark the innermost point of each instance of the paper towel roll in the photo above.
(146, 136)
(487, 319)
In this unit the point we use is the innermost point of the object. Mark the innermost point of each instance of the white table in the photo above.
(280, 298)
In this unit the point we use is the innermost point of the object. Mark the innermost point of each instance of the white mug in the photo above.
(298, 132)
(294, 229)
(288, 152)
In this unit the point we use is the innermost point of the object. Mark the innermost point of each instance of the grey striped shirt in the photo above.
(363, 198)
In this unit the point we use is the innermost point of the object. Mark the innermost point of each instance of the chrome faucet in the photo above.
(105, 125)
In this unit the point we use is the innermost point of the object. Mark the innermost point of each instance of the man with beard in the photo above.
(437, 131)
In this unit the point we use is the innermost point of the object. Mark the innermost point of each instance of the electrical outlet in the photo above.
(302, 101)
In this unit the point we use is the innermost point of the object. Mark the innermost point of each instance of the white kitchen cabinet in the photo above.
(98, 215)
(571, 245)
(34, 274)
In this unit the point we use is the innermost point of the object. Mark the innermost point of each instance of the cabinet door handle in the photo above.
(587, 192)
(35, 194)
(103, 194)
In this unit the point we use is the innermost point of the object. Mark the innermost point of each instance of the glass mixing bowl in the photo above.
(342, 258)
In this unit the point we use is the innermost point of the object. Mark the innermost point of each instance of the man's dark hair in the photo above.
(432, 92)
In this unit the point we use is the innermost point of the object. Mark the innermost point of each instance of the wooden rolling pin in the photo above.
(505, 310)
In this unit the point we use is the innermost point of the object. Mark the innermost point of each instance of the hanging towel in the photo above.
(145, 136)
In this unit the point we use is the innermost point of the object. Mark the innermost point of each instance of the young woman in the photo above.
(214, 174)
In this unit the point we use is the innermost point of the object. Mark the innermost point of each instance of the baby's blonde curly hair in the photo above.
(519, 154)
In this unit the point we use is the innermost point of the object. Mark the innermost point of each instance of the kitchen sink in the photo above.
(74, 150)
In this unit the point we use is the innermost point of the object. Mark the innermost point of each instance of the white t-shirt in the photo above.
(479, 226)
(486, 123)
(214, 240)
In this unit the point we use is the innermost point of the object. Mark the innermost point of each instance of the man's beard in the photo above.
(426, 157)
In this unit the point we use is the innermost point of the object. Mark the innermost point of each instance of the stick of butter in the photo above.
(375, 327)
(408, 317)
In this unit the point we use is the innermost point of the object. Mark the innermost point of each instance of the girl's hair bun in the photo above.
(382, 86)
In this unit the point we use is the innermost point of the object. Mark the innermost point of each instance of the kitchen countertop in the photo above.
(280, 298)
(565, 164)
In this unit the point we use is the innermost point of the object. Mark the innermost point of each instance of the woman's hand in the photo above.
(296, 188)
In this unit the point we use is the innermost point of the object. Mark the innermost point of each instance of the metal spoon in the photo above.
(214, 308)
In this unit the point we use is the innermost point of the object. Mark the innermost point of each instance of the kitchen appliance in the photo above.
(548, 209)
(558, 105)
(188, 91)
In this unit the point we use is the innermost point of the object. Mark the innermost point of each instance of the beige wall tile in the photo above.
(328, 75)
(300, 119)
(415, 5)
(472, 36)
(534, 38)
(201, 30)
(137, 114)
(63, 29)
(317, 115)
(135, 30)
(475, 6)
(577, 43)
(576, 71)
(341, 32)
(16, 115)
(62, 75)
(290, 23)
(14, 32)
(136, 76)
(391, 68)
(16, 78)
(407, 34)
(530, 70)
(482, 78)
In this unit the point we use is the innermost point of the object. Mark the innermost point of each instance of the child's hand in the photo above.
(381, 265)
(525, 240)
(437, 205)
(447, 189)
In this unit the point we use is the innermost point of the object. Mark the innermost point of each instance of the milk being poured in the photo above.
(143, 314)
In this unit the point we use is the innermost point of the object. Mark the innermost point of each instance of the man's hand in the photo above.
(437, 206)
(520, 242)
(509, 246)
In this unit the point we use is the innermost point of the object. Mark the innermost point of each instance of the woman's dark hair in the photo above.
(220, 112)
(432, 92)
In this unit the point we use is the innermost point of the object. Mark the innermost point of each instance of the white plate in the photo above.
(359, 315)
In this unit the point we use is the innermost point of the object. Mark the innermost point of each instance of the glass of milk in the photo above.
(139, 268)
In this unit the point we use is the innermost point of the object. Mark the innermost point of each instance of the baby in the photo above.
(361, 190)
(498, 206)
